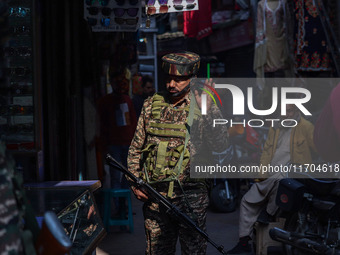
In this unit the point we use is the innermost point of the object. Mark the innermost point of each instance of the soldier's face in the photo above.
(175, 84)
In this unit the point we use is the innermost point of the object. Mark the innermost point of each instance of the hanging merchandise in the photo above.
(272, 57)
(311, 49)
(113, 15)
(198, 24)
(166, 6)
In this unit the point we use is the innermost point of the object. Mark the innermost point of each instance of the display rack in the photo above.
(113, 16)
(20, 120)
(76, 208)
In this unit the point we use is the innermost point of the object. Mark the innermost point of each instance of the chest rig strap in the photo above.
(178, 168)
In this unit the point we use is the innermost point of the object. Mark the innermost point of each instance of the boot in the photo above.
(242, 247)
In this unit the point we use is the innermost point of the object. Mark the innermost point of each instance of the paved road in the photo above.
(221, 227)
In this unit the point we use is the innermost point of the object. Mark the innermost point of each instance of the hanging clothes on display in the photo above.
(198, 23)
(311, 51)
(272, 54)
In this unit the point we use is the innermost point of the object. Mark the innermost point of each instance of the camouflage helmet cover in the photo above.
(181, 63)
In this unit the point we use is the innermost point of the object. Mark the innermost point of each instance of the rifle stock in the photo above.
(162, 200)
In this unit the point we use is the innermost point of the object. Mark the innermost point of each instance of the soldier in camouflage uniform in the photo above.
(9, 213)
(160, 153)
(15, 238)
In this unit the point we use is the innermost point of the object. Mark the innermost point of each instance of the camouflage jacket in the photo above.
(10, 217)
(170, 115)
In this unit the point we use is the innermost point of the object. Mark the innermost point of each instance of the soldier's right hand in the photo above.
(140, 195)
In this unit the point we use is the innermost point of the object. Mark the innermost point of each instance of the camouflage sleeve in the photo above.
(139, 138)
(10, 223)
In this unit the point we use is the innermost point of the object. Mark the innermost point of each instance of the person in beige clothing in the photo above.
(283, 146)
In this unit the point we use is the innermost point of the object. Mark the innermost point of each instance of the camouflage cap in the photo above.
(181, 63)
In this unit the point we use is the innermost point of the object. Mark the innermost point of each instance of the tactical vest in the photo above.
(166, 155)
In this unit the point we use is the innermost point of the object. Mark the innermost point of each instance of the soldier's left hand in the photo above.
(198, 97)
(140, 194)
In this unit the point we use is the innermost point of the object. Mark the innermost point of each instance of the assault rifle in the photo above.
(171, 209)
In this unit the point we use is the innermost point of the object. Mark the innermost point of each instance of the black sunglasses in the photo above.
(19, 11)
(101, 2)
(21, 128)
(131, 22)
(22, 51)
(119, 12)
(122, 2)
(106, 11)
(17, 71)
(24, 29)
(179, 6)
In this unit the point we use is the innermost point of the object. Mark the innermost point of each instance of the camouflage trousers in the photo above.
(162, 230)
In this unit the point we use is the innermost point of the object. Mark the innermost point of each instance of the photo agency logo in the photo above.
(204, 97)
(243, 103)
